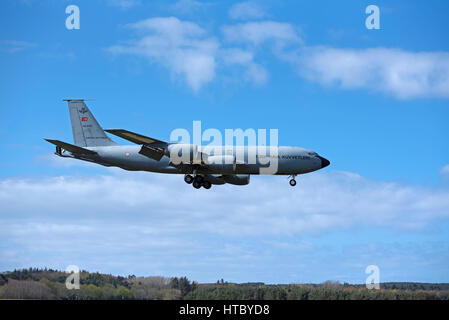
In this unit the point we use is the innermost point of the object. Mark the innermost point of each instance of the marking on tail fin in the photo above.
(87, 132)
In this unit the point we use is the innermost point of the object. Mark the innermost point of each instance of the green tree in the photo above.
(123, 293)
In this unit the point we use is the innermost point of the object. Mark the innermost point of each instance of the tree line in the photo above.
(36, 283)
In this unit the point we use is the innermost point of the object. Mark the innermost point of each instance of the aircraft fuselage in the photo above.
(289, 160)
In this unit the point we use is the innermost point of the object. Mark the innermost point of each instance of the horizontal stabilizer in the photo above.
(70, 147)
(134, 137)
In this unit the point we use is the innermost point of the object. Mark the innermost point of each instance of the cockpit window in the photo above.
(313, 154)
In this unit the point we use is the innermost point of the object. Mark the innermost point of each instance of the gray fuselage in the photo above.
(286, 160)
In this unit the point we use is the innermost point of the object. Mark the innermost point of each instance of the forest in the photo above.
(50, 284)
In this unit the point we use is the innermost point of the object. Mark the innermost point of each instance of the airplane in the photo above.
(200, 168)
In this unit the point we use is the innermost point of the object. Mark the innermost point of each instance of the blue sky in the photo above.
(374, 102)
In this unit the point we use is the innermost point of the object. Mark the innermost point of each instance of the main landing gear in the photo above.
(188, 178)
(197, 181)
(292, 180)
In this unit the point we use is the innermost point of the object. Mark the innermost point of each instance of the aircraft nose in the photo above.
(324, 162)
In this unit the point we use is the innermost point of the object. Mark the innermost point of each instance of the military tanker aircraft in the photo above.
(202, 166)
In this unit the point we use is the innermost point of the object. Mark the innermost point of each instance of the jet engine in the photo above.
(183, 153)
(222, 163)
(237, 179)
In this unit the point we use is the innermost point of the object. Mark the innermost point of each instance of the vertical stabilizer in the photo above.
(86, 130)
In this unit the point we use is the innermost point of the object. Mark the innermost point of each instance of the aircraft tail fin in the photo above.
(86, 130)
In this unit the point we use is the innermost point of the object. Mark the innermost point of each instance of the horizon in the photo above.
(374, 102)
(329, 281)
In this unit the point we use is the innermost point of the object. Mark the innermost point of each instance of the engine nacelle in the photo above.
(221, 164)
(237, 179)
(182, 153)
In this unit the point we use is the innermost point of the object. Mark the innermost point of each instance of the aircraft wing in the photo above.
(134, 137)
(70, 147)
(151, 148)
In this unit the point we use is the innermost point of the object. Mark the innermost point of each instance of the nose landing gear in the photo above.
(292, 180)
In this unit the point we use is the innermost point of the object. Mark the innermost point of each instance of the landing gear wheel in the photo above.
(188, 178)
(207, 185)
(292, 182)
(196, 184)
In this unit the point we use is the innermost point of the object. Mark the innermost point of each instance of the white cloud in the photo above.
(45, 228)
(181, 46)
(13, 46)
(400, 73)
(252, 35)
(254, 72)
(320, 203)
(257, 33)
(189, 6)
(192, 54)
(237, 56)
(445, 170)
(124, 4)
(152, 224)
(246, 10)
(280, 36)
